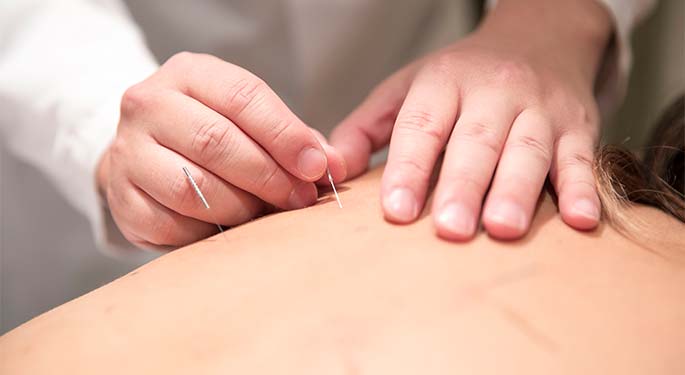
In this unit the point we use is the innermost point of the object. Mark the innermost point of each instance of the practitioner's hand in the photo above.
(509, 104)
(243, 146)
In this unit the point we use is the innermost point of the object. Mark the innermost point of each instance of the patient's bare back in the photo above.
(325, 290)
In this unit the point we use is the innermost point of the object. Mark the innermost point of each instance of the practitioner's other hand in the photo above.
(243, 146)
(508, 104)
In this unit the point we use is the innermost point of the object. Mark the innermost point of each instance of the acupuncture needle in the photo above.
(204, 201)
(330, 179)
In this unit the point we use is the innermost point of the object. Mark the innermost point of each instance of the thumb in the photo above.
(368, 128)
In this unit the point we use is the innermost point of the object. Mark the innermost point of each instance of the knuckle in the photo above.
(482, 134)
(136, 99)
(212, 139)
(564, 184)
(587, 184)
(162, 229)
(512, 73)
(579, 113)
(411, 167)
(245, 92)
(468, 180)
(575, 160)
(420, 123)
(113, 203)
(119, 199)
(181, 60)
(533, 145)
(118, 150)
(265, 181)
(392, 94)
(182, 193)
(580, 117)
(441, 65)
(279, 132)
(569, 171)
(390, 90)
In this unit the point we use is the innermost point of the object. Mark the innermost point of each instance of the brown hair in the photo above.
(657, 180)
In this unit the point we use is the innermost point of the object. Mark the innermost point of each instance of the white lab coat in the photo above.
(64, 65)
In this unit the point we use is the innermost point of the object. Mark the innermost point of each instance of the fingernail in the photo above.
(342, 165)
(311, 163)
(586, 208)
(457, 220)
(508, 214)
(303, 195)
(400, 205)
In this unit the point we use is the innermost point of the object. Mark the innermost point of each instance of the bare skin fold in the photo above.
(325, 290)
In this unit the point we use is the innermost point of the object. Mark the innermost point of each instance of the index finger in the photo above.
(248, 102)
(422, 128)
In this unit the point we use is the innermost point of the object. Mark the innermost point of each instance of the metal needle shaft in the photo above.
(202, 197)
(330, 179)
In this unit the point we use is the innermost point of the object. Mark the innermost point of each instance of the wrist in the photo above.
(571, 33)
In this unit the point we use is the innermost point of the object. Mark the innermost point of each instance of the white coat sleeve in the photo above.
(612, 81)
(64, 65)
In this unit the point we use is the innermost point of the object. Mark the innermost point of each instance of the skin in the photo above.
(325, 290)
(509, 105)
(240, 142)
(508, 98)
